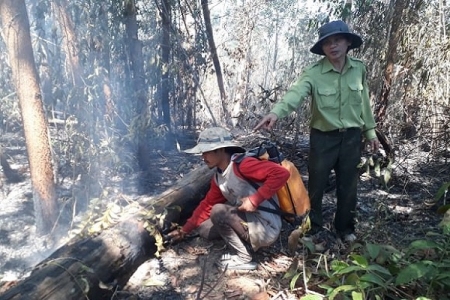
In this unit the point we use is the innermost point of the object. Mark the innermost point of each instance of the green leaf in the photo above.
(311, 297)
(326, 287)
(442, 276)
(294, 281)
(421, 245)
(337, 265)
(442, 190)
(364, 285)
(445, 223)
(357, 296)
(342, 288)
(443, 209)
(379, 269)
(292, 271)
(349, 269)
(360, 260)
(309, 245)
(352, 278)
(373, 279)
(412, 272)
(373, 249)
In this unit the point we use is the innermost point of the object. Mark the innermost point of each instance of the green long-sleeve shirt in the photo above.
(339, 100)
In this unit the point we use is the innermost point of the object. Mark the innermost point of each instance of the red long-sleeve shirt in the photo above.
(270, 175)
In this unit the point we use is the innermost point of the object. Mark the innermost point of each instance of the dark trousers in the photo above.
(228, 223)
(339, 151)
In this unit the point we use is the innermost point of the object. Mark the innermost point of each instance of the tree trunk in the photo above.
(391, 59)
(100, 59)
(213, 50)
(16, 31)
(165, 54)
(93, 268)
(135, 57)
(70, 43)
(134, 47)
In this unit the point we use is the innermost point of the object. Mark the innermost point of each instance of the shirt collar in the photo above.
(327, 66)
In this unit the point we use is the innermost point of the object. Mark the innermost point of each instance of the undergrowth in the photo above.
(421, 270)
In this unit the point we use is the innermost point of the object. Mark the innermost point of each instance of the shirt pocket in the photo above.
(355, 95)
(327, 97)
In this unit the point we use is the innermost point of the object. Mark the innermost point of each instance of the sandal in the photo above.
(234, 262)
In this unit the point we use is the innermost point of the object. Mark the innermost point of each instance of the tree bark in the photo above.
(93, 268)
(135, 57)
(100, 58)
(165, 55)
(16, 31)
(134, 48)
(70, 42)
(391, 58)
(214, 57)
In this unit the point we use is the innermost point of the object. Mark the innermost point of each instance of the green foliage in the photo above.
(360, 276)
(445, 223)
(444, 209)
(374, 271)
(442, 192)
(426, 265)
(420, 270)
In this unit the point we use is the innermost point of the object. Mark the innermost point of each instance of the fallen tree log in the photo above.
(95, 267)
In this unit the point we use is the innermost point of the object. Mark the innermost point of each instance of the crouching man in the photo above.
(230, 207)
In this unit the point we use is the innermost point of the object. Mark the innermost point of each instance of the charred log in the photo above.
(95, 267)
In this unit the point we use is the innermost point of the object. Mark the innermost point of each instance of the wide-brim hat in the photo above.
(332, 28)
(214, 138)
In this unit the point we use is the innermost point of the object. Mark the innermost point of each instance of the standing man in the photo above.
(229, 209)
(341, 112)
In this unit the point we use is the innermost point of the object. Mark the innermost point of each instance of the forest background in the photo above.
(117, 80)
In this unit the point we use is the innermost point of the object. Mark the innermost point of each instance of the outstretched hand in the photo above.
(176, 235)
(267, 122)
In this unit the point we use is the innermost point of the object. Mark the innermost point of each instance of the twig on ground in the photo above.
(202, 282)
(215, 284)
(307, 290)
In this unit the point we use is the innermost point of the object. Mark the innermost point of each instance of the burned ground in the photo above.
(396, 214)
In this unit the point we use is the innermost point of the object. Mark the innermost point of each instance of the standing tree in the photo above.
(16, 31)
(214, 57)
(135, 56)
(134, 51)
(70, 43)
(391, 59)
(165, 60)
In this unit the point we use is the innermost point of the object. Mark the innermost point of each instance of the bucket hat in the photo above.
(332, 28)
(214, 138)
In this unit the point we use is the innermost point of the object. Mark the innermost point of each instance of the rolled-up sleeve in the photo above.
(203, 210)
